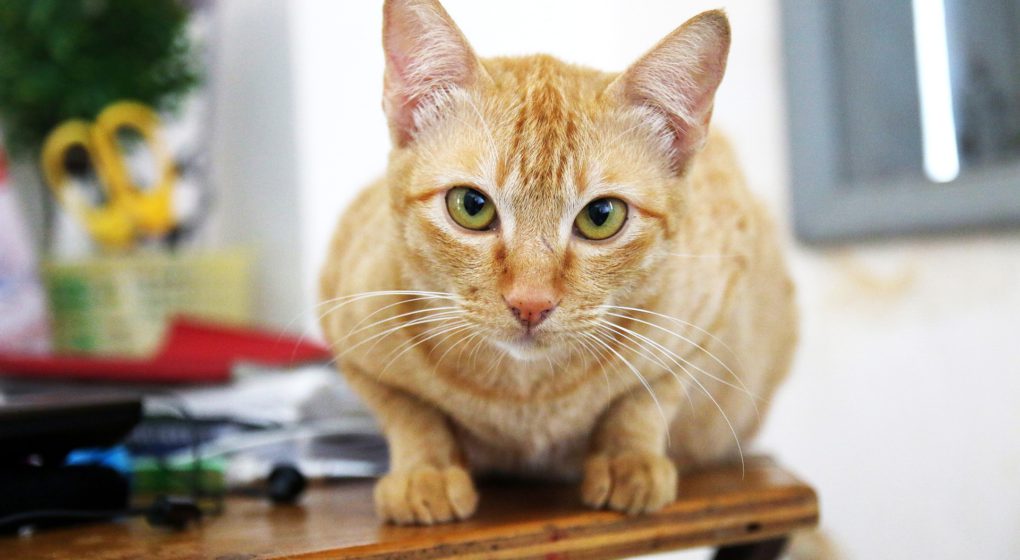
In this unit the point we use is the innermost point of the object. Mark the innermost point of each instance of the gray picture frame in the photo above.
(825, 209)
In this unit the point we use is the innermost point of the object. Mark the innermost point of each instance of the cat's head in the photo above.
(535, 190)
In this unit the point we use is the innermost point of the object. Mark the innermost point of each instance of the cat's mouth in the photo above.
(526, 346)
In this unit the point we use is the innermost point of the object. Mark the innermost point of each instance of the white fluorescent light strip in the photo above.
(938, 125)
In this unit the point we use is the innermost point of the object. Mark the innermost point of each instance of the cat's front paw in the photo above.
(632, 482)
(425, 495)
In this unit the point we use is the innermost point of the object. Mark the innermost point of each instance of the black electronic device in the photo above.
(36, 434)
(40, 490)
(48, 426)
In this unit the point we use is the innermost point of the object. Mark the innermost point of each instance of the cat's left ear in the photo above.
(678, 79)
(426, 56)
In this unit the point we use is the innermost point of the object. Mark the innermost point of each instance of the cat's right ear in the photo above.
(678, 79)
(426, 57)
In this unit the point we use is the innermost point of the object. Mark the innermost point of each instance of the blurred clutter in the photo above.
(132, 378)
(73, 453)
(104, 106)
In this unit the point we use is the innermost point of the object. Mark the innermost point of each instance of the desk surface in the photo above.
(515, 519)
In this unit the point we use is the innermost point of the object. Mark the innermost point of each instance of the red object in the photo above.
(194, 352)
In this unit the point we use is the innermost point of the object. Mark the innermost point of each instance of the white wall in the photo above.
(254, 170)
(902, 406)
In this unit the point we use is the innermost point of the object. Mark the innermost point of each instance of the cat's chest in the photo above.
(521, 433)
(547, 437)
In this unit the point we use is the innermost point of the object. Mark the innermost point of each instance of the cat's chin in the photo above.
(524, 349)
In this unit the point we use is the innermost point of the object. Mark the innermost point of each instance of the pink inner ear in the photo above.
(400, 111)
(679, 77)
(690, 137)
(687, 119)
(425, 53)
(399, 107)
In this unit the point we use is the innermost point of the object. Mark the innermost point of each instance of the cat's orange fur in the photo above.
(468, 389)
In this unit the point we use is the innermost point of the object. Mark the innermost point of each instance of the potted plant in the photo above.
(63, 59)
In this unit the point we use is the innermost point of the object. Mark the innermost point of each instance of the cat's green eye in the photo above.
(601, 218)
(470, 208)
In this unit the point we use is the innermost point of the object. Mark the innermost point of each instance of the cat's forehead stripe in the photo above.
(542, 142)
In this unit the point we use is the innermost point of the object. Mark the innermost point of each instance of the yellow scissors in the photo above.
(130, 210)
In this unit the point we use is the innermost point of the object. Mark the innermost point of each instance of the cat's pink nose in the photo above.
(530, 308)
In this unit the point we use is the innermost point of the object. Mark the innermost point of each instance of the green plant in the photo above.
(62, 59)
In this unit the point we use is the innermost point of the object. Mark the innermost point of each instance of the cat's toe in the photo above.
(460, 490)
(391, 499)
(596, 484)
(425, 495)
(631, 482)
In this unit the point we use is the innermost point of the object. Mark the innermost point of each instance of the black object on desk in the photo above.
(51, 425)
(36, 434)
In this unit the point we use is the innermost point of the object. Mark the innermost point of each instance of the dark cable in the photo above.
(168, 512)
(26, 517)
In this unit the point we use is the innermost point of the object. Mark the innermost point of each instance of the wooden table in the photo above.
(515, 519)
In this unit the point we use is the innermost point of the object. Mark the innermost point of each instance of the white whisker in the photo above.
(642, 350)
(736, 439)
(444, 329)
(423, 335)
(598, 354)
(685, 339)
(435, 318)
(385, 307)
(494, 366)
(340, 302)
(440, 342)
(640, 378)
(380, 293)
(673, 356)
(473, 354)
(467, 344)
(306, 332)
(396, 317)
(470, 334)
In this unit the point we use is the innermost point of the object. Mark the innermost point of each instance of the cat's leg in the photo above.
(428, 482)
(627, 468)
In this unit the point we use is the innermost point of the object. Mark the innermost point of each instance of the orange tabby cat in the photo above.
(561, 273)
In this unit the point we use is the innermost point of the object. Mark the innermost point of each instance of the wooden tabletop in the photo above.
(514, 520)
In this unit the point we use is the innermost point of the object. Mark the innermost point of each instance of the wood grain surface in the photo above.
(516, 519)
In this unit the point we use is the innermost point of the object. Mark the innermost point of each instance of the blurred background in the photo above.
(885, 135)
